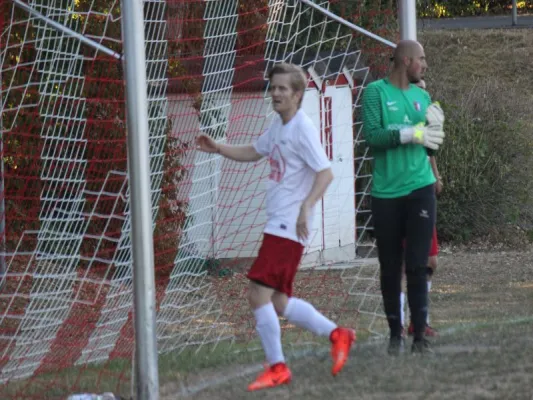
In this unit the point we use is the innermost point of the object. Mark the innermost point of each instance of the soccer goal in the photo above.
(66, 294)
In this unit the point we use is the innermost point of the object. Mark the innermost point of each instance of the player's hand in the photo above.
(206, 144)
(301, 223)
(438, 185)
(435, 115)
(428, 136)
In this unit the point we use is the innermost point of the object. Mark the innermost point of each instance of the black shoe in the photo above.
(396, 346)
(422, 346)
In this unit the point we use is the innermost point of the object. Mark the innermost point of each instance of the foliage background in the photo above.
(462, 8)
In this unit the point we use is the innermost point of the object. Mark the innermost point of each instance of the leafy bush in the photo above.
(484, 163)
(461, 8)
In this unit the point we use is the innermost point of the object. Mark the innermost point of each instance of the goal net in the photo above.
(66, 298)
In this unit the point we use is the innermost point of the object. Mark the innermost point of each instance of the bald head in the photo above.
(410, 59)
(407, 49)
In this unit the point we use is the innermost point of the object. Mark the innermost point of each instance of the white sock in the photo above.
(267, 326)
(302, 314)
(402, 308)
(429, 289)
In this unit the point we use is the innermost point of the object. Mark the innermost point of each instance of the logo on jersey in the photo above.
(277, 164)
(391, 105)
(417, 105)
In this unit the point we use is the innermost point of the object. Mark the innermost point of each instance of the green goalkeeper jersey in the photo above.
(398, 169)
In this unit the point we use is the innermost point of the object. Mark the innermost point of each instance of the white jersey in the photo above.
(295, 155)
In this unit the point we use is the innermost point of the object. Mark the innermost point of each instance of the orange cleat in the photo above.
(341, 343)
(276, 375)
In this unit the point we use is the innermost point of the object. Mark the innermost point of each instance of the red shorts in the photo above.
(277, 263)
(434, 249)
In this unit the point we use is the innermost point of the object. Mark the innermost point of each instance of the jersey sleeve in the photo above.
(262, 145)
(311, 149)
(375, 134)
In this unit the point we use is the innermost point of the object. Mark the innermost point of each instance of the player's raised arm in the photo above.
(246, 153)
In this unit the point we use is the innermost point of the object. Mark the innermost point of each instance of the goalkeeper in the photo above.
(395, 112)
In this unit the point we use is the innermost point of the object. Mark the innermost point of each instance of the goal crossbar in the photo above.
(346, 23)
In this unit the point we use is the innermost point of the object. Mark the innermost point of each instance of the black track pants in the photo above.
(412, 218)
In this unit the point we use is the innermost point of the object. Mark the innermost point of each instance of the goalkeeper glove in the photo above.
(435, 115)
(428, 136)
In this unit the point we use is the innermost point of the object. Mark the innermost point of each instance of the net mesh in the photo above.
(66, 301)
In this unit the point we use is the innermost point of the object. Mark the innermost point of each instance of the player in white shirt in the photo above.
(299, 176)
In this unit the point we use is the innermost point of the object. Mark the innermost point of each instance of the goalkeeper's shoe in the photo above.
(430, 332)
(341, 343)
(421, 346)
(276, 375)
(396, 346)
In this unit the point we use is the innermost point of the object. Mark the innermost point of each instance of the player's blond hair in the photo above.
(297, 77)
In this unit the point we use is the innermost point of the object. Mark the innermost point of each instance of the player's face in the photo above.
(417, 66)
(284, 98)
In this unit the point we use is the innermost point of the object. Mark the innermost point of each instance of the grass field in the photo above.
(481, 303)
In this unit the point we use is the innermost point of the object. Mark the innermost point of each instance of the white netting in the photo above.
(66, 299)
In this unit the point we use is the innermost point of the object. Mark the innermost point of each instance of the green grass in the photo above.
(483, 361)
(194, 369)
